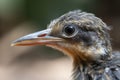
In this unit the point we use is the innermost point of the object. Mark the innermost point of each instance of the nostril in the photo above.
(42, 35)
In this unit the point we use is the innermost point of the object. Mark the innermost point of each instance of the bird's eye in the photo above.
(69, 30)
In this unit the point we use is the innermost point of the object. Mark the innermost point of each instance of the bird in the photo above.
(84, 38)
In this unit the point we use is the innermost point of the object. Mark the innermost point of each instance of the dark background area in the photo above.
(21, 17)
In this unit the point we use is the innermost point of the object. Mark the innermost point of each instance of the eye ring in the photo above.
(70, 30)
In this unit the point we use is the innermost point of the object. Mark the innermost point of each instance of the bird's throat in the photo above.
(83, 60)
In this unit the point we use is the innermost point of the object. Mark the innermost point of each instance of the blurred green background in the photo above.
(21, 17)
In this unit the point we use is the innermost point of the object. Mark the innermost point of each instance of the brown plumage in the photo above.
(83, 37)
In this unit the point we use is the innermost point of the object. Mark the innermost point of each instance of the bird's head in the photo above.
(78, 34)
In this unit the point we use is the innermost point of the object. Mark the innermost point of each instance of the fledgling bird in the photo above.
(85, 38)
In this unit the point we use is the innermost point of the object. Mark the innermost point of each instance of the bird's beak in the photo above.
(37, 38)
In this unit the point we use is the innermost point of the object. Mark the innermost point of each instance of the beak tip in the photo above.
(12, 44)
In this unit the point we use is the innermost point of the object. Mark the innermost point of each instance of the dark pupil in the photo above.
(69, 30)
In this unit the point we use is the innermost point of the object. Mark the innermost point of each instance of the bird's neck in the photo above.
(85, 71)
(83, 64)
